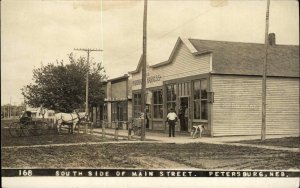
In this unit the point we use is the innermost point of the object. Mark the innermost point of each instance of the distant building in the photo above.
(40, 112)
(219, 84)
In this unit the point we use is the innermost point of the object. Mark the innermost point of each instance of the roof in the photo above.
(240, 58)
(124, 77)
(247, 58)
(191, 48)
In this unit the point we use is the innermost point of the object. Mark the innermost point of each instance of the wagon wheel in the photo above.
(34, 129)
(15, 129)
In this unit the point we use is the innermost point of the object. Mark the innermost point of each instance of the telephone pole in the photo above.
(264, 77)
(10, 108)
(143, 93)
(88, 50)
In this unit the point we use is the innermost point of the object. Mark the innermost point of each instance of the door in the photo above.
(184, 113)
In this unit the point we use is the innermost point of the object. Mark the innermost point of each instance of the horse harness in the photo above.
(71, 121)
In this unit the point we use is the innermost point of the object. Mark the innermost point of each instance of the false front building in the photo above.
(219, 84)
(117, 107)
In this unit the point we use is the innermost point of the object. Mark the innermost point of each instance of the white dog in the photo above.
(197, 128)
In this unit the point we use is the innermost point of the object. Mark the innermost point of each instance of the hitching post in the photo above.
(129, 130)
(103, 130)
(116, 132)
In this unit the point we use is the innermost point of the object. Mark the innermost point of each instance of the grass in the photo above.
(50, 137)
(289, 142)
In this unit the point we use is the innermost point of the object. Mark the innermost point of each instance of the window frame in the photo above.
(160, 104)
(199, 100)
(137, 104)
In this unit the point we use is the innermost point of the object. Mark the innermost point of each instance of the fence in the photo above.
(115, 124)
(133, 127)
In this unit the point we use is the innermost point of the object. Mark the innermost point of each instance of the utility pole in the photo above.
(4, 111)
(264, 77)
(88, 50)
(143, 93)
(10, 108)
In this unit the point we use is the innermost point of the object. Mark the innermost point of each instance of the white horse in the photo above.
(70, 119)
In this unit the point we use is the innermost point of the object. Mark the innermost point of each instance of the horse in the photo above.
(71, 119)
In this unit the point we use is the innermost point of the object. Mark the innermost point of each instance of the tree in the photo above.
(61, 87)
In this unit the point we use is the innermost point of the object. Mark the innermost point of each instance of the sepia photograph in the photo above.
(171, 93)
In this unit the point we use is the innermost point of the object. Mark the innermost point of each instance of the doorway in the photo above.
(184, 113)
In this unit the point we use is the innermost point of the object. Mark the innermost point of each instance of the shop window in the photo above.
(119, 111)
(114, 111)
(105, 112)
(137, 102)
(122, 111)
(157, 104)
(200, 99)
(171, 96)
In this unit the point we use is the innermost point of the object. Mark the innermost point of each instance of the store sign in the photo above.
(149, 79)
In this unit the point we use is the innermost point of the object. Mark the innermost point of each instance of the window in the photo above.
(157, 104)
(137, 102)
(200, 99)
(105, 112)
(114, 116)
(171, 96)
(119, 111)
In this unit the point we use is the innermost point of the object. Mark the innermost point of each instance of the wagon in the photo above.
(27, 126)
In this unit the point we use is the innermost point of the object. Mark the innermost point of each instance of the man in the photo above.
(172, 118)
(26, 117)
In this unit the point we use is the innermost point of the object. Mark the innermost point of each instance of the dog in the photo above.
(197, 128)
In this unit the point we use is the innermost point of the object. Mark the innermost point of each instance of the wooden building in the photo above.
(219, 84)
(117, 106)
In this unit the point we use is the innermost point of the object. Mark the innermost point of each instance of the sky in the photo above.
(40, 32)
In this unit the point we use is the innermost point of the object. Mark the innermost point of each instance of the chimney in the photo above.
(272, 39)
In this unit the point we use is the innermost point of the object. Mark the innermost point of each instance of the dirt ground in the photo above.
(289, 142)
(139, 155)
(150, 155)
(49, 137)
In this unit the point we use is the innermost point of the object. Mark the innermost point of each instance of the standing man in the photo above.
(172, 118)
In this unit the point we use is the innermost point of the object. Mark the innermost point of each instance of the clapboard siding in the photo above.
(183, 65)
(237, 105)
(282, 115)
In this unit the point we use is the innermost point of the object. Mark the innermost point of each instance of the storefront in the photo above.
(218, 84)
(178, 84)
(189, 98)
(117, 107)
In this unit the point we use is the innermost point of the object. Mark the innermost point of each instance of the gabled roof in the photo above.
(138, 68)
(180, 40)
(247, 58)
(240, 58)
